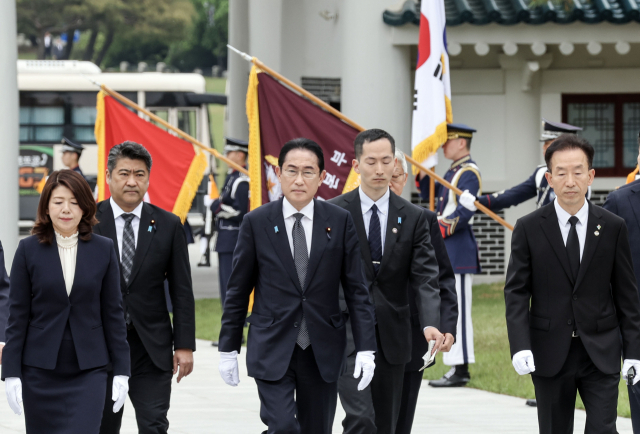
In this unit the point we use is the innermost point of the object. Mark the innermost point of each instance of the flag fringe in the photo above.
(430, 145)
(352, 182)
(99, 132)
(190, 186)
(255, 163)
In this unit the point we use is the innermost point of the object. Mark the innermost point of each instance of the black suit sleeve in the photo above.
(446, 281)
(241, 283)
(611, 204)
(517, 291)
(424, 275)
(625, 296)
(4, 295)
(115, 331)
(181, 292)
(19, 313)
(355, 292)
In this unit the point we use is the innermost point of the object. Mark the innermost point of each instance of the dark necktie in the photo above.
(128, 252)
(301, 259)
(573, 248)
(375, 239)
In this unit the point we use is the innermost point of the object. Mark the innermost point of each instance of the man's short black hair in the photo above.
(128, 149)
(371, 136)
(301, 143)
(569, 141)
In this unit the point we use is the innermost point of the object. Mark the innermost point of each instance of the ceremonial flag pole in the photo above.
(348, 121)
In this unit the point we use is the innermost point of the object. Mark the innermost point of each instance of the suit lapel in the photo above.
(634, 201)
(107, 225)
(144, 239)
(395, 211)
(319, 240)
(280, 242)
(52, 256)
(82, 262)
(354, 206)
(551, 229)
(590, 242)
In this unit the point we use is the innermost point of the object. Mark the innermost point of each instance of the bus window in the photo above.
(83, 120)
(162, 114)
(187, 122)
(41, 124)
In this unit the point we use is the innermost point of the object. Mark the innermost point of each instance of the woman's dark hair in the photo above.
(131, 150)
(302, 143)
(43, 228)
(371, 136)
(569, 141)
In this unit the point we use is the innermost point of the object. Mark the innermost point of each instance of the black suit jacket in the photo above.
(448, 297)
(263, 259)
(408, 260)
(161, 253)
(4, 295)
(625, 203)
(602, 303)
(40, 308)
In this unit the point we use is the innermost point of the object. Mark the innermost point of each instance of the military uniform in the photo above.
(69, 146)
(456, 226)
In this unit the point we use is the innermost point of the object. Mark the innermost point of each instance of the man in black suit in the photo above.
(448, 309)
(395, 246)
(565, 318)
(4, 300)
(625, 203)
(152, 247)
(296, 252)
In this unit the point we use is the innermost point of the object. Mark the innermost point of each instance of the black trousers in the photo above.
(301, 402)
(375, 409)
(149, 391)
(410, 391)
(634, 404)
(556, 395)
(225, 265)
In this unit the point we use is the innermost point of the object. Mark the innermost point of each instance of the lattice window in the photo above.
(598, 127)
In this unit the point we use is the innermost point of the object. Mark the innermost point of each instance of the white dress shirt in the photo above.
(119, 221)
(68, 251)
(581, 226)
(383, 212)
(288, 211)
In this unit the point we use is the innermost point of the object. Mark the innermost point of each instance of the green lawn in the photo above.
(492, 371)
(216, 122)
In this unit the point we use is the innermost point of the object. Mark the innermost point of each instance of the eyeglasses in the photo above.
(289, 173)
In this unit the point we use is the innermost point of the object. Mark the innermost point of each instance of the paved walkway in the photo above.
(203, 404)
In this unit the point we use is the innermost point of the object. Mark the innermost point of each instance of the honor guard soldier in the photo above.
(71, 153)
(230, 209)
(456, 226)
(206, 233)
(536, 186)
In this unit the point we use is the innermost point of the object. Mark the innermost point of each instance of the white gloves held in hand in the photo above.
(119, 391)
(13, 388)
(523, 362)
(628, 364)
(228, 368)
(364, 364)
(467, 200)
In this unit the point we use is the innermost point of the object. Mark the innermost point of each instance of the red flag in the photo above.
(177, 168)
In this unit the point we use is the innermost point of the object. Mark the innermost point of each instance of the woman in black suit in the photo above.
(66, 321)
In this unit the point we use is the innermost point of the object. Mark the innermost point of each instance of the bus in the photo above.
(58, 99)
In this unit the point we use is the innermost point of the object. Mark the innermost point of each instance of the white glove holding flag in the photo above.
(13, 388)
(628, 364)
(228, 368)
(523, 362)
(364, 364)
(467, 200)
(119, 391)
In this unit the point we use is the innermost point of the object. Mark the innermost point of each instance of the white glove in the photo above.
(119, 391)
(467, 200)
(628, 364)
(13, 387)
(208, 201)
(228, 368)
(364, 364)
(523, 362)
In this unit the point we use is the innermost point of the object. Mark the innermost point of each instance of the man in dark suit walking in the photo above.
(625, 203)
(395, 246)
(565, 318)
(152, 247)
(4, 300)
(296, 252)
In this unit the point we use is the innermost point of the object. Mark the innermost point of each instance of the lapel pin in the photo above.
(153, 224)
(399, 220)
(596, 233)
(328, 233)
(149, 230)
(275, 229)
(599, 227)
(394, 230)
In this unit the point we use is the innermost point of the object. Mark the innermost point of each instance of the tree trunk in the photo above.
(89, 50)
(105, 47)
(41, 45)
(66, 53)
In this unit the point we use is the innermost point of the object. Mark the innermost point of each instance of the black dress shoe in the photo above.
(214, 343)
(204, 262)
(451, 379)
(532, 403)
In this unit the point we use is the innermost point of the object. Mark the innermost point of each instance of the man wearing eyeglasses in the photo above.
(296, 252)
